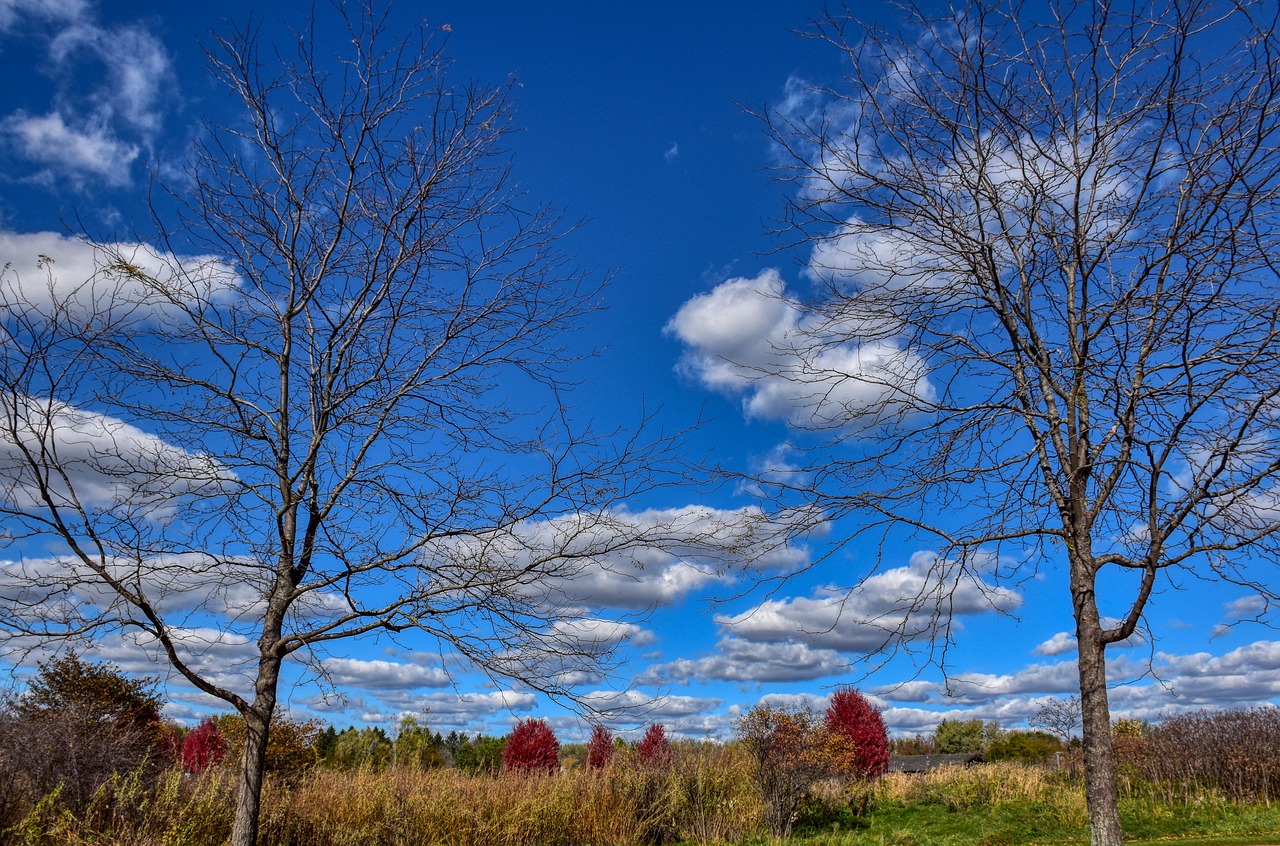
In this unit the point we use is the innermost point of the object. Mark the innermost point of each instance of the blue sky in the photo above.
(634, 119)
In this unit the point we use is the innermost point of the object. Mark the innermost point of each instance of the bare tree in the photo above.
(1046, 324)
(327, 401)
(1060, 716)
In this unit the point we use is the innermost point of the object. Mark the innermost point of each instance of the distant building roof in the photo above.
(928, 763)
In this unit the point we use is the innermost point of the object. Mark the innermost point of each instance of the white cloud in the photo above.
(451, 709)
(1063, 677)
(43, 270)
(383, 675)
(902, 603)
(1060, 644)
(137, 70)
(113, 89)
(89, 149)
(101, 461)
(1247, 607)
(60, 11)
(747, 337)
(600, 636)
(632, 705)
(744, 661)
(638, 560)
(47, 590)
(223, 658)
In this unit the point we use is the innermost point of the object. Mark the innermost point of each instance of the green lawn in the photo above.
(1014, 824)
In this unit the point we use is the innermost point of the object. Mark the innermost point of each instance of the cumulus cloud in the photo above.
(104, 462)
(1060, 644)
(38, 591)
(1062, 677)
(637, 560)
(600, 636)
(749, 338)
(43, 270)
(223, 658)
(977, 688)
(740, 660)
(451, 710)
(1247, 607)
(88, 150)
(903, 603)
(1245, 677)
(383, 675)
(633, 705)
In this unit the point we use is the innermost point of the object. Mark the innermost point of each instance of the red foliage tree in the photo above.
(654, 749)
(532, 746)
(853, 718)
(203, 747)
(600, 748)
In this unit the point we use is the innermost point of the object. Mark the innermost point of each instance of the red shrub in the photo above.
(532, 746)
(654, 749)
(600, 748)
(203, 747)
(855, 719)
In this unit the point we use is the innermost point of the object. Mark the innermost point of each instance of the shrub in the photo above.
(532, 747)
(203, 747)
(1029, 747)
(855, 719)
(77, 724)
(599, 748)
(790, 750)
(654, 749)
(1236, 753)
(292, 745)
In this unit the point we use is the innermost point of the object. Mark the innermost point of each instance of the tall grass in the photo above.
(704, 797)
(999, 783)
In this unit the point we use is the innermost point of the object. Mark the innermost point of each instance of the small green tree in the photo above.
(293, 746)
(481, 754)
(957, 736)
(415, 746)
(354, 748)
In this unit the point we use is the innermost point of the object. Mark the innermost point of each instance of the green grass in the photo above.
(1026, 823)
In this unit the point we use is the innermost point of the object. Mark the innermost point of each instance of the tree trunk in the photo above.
(253, 764)
(1099, 757)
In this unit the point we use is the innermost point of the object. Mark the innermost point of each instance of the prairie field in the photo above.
(704, 796)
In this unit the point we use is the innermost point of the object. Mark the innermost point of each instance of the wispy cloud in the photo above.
(113, 86)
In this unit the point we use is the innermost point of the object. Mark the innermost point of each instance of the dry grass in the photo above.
(705, 797)
(990, 785)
